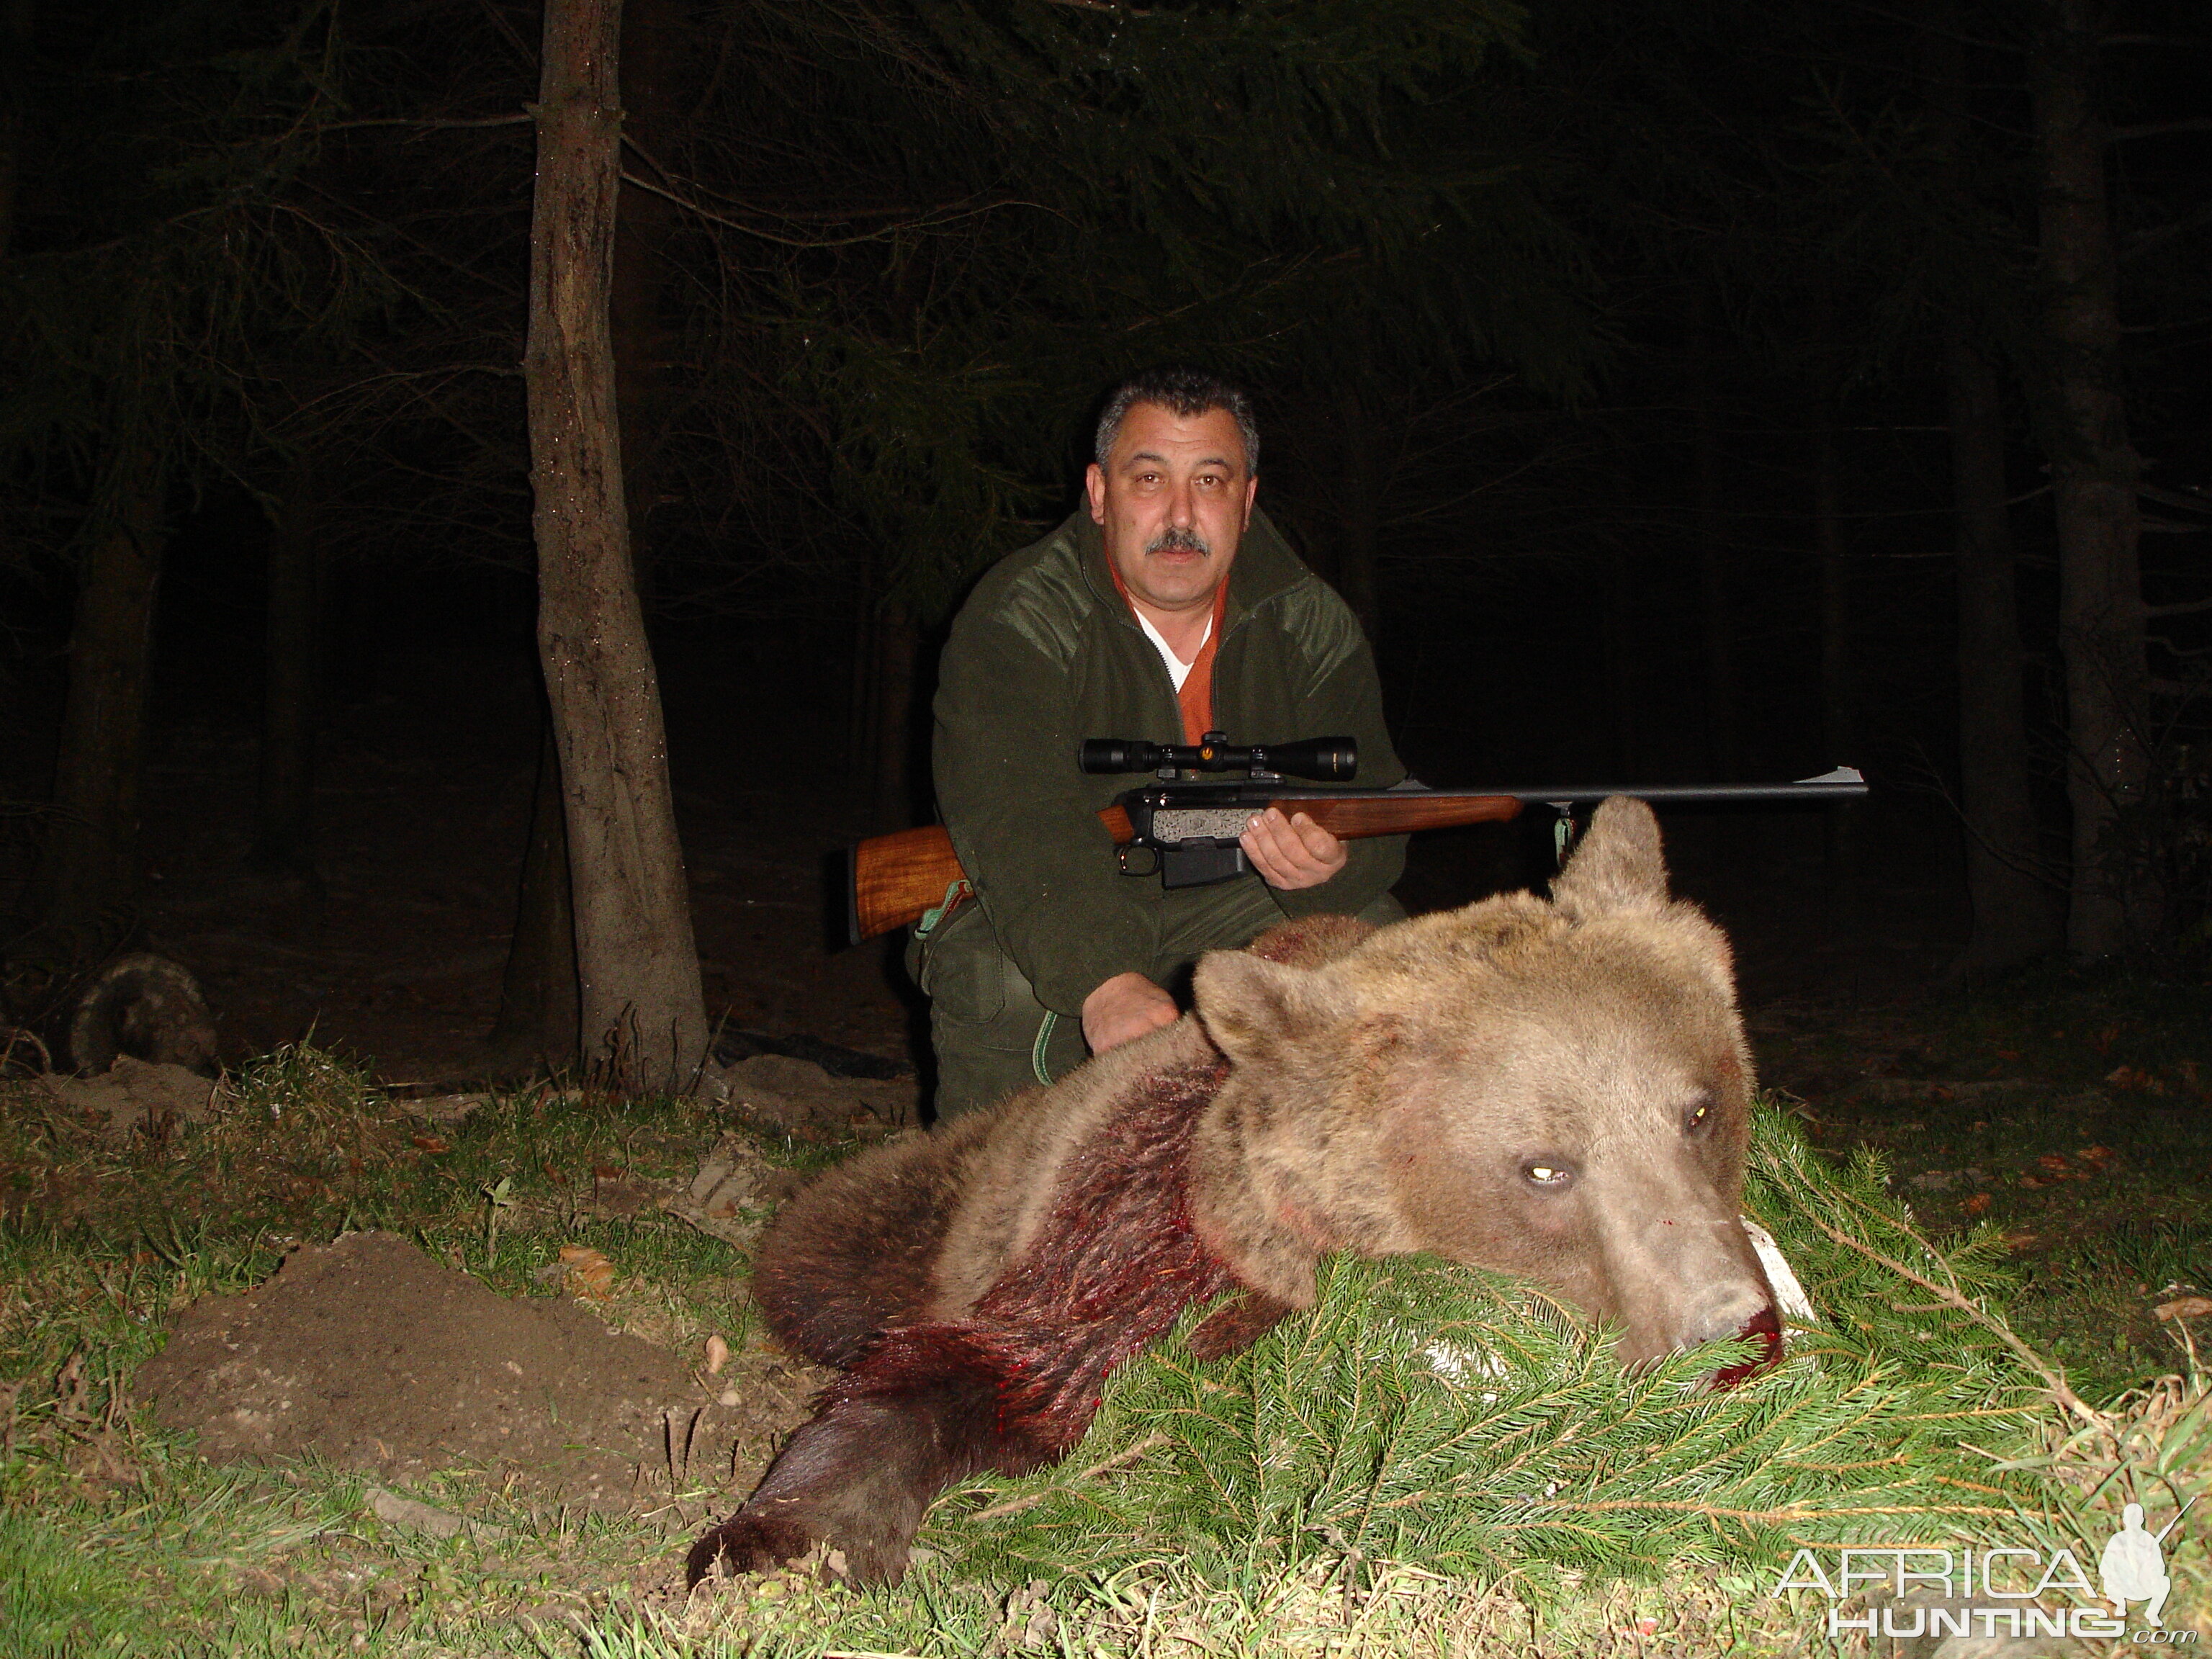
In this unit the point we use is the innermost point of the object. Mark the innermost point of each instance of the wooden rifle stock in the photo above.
(900, 877)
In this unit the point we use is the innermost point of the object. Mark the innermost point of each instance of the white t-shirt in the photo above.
(1178, 670)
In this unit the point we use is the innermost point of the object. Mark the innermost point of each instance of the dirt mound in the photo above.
(137, 1094)
(368, 1352)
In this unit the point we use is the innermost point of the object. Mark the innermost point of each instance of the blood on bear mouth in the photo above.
(1763, 1328)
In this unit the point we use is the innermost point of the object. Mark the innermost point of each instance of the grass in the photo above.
(2071, 1110)
(124, 1537)
(55, 1602)
(116, 1539)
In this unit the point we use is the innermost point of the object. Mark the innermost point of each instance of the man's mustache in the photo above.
(1178, 541)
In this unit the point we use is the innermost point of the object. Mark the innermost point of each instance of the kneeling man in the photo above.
(1165, 607)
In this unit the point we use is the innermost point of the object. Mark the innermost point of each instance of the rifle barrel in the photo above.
(1828, 788)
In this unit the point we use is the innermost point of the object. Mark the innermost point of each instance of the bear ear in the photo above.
(1617, 865)
(1253, 1008)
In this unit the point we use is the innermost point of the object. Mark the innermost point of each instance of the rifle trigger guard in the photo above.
(1151, 867)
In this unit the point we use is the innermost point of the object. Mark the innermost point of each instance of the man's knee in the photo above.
(979, 1065)
(972, 1073)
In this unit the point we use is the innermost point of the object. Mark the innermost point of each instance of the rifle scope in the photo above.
(1325, 760)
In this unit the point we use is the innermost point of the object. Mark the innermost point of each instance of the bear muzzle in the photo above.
(1740, 1309)
(1682, 1274)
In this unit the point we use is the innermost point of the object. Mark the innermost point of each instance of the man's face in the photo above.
(1173, 498)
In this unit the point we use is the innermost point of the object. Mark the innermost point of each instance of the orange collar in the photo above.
(1195, 701)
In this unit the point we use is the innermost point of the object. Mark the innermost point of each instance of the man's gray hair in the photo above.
(1185, 394)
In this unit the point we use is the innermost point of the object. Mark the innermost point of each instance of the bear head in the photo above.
(1558, 1089)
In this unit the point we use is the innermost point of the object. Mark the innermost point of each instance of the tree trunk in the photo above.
(2094, 472)
(642, 222)
(284, 828)
(1724, 744)
(643, 1017)
(1361, 537)
(538, 999)
(88, 861)
(2015, 918)
(2016, 912)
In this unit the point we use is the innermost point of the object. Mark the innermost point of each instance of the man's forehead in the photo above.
(1155, 432)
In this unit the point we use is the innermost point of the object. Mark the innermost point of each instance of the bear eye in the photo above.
(1549, 1173)
(1697, 1117)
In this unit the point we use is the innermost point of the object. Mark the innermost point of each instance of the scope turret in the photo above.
(1324, 760)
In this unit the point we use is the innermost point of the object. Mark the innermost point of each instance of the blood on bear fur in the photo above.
(1427, 1087)
(1013, 1385)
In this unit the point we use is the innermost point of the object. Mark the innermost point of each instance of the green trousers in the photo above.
(990, 1034)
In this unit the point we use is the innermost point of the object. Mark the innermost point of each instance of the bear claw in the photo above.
(747, 1543)
(751, 1541)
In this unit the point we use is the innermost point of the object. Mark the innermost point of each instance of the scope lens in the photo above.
(1115, 755)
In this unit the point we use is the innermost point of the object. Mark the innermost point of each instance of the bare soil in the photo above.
(368, 1353)
(133, 1096)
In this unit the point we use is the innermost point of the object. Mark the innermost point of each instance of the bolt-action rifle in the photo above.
(1187, 831)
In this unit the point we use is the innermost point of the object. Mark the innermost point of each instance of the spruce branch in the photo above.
(2052, 1377)
(1030, 1500)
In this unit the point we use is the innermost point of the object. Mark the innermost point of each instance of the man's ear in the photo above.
(1616, 866)
(1253, 1009)
(1094, 486)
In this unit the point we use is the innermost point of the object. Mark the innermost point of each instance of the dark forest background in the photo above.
(1678, 391)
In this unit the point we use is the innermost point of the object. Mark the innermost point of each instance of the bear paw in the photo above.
(753, 1541)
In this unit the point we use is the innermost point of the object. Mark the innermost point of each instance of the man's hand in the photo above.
(1292, 852)
(1125, 1006)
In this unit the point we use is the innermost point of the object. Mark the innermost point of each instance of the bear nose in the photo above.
(1725, 1310)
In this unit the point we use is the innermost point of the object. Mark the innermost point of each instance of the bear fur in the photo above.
(1557, 1088)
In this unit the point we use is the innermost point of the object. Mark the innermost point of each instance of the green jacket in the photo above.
(1045, 653)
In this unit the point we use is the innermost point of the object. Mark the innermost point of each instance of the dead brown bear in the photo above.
(1558, 1089)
